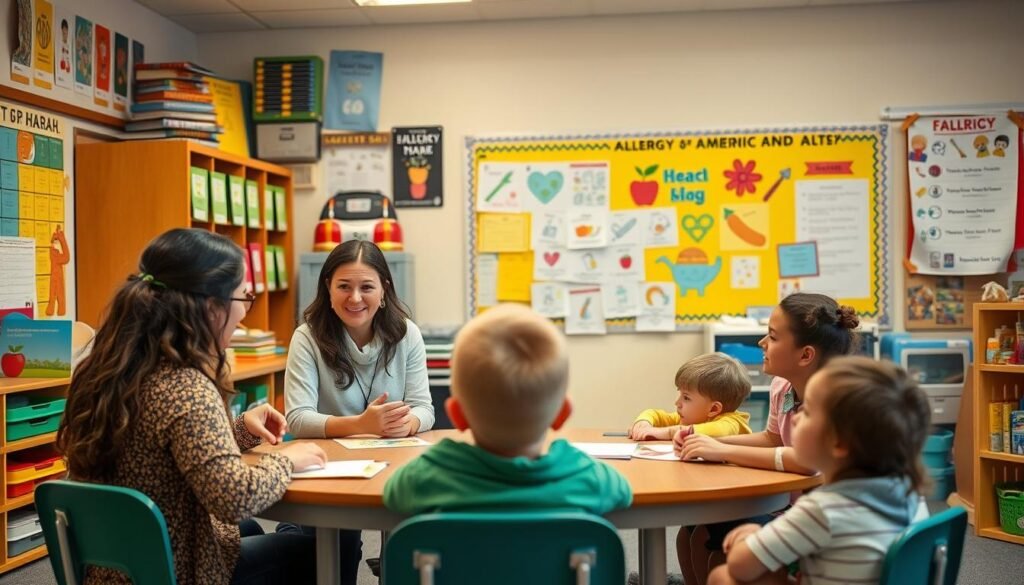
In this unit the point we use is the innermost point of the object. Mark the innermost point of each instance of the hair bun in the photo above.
(846, 317)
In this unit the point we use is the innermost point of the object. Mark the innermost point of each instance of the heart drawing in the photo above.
(697, 226)
(551, 258)
(545, 186)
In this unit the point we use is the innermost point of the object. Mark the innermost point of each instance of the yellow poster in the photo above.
(43, 39)
(503, 232)
(735, 218)
(227, 99)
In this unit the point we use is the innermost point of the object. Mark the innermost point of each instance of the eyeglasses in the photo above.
(249, 299)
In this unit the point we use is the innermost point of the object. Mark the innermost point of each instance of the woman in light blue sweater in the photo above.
(357, 365)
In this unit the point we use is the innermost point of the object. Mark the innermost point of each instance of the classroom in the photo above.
(651, 178)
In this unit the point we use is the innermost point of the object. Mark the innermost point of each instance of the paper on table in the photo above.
(656, 452)
(607, 450)
(362, 468)
(382, 443)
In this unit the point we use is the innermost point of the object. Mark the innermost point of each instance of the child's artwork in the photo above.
(655, 452)
(657, 306)
(102, 96)
(588, 265)
(625, 263)
(550, 263)
(620, 300)
(587, 228)
(83, 56)
(746, 272)
(625, 227)
(65, 42)
(382, 443)
(550, 299)
(660, 228)
(548, 229)
(586, 312)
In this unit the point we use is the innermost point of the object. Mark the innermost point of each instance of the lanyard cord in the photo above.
(368, 390)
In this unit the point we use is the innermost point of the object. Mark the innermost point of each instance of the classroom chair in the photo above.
(106, 526)
(927, 552)
(504, 548)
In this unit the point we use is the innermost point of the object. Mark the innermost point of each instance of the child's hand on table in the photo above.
(645, 431)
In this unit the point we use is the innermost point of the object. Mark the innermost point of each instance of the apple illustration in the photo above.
(626, 261)
(13, 362)
(644, 192)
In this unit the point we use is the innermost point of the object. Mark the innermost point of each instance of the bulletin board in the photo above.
(656, 231)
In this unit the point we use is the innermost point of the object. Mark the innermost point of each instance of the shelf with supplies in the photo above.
(998, 390)
(30, 410)
(151, 186)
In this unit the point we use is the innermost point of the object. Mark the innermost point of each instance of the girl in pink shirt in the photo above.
(804, 331)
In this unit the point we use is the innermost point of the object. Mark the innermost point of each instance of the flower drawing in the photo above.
(742, 177)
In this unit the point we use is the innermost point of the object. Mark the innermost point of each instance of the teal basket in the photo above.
(1011, 507)
(943, 483)
(937, 448)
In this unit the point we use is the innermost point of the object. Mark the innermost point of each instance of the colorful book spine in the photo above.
(200, 194)
(270, 268)
(282, 267)
(183, 96)
(256, 259)
(995, 426)
(1008, 408)
(1017, 432)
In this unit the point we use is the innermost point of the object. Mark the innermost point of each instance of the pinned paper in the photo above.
(746, 272)
(660, 228)
(800, 259)
(625, 263)
(587, 228)
(657, 306)
(514, 271)
(501, 187)
(547, 187)
(625, 227)
(587, 265)
(620, 300)
(487, 280)
(550, 263)
(550, 299)
(586, 312)
(503, 232)
(548, 229)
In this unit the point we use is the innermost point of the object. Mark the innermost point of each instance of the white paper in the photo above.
(550, 263)
(362, 468)
(745, 272)
(588, 266)
(587, 228)
(18, 285)
(625, 263)
(382, 443)
(657, 306)
(586, 313)
(607, 450)
(962, 172)
(548, 229)
(486, 280)
(655, 452)
(357, 168)
(549, 299)
(620, 300)
(589, 182)
(660, 228)
(835, 214)
(501, 187)
(626, 227)
(64, 46)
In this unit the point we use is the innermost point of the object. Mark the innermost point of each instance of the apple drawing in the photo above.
(645, 191)
(13, 362)
(626, 261)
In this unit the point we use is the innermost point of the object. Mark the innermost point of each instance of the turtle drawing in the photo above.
(691, 270)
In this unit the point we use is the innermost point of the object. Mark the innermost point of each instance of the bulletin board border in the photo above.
(502, 143)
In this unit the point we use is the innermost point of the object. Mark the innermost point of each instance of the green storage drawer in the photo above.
(28, 416)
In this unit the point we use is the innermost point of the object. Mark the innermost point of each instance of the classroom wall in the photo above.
(164, 40)
(821, 65)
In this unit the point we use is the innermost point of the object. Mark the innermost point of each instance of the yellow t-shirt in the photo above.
(723, 425)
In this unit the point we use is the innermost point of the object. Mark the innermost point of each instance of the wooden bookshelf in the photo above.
(993, 383)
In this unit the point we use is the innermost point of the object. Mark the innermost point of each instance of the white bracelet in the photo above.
(778, 460)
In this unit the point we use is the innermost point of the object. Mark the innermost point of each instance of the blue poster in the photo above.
(353, 91)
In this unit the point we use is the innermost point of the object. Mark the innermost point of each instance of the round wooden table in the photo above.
(664, 494)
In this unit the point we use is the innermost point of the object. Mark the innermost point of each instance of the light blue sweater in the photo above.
(311, 395)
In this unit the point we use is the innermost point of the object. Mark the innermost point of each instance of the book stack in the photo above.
(438, 342)
(253, 344)
(173, 100)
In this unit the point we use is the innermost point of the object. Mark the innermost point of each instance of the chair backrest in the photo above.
(504, 547)
(106, 526)
(927, 552)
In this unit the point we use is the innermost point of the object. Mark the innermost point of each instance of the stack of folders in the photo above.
(439, 342)
(253, 344)
(173, 100)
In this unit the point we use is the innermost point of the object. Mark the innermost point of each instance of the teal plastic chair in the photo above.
(548, 547)
(927, 552)
(106, 526)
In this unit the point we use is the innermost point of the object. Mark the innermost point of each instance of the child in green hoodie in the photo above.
(862, 425)
(509, 377)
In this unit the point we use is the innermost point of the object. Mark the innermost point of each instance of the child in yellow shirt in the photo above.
(711, 387)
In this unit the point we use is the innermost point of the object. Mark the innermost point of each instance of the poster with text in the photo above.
(43, 50)
(353, 91)
(83, 56)
(64, 77)
(416, 166)
(120, 72)
(356, 161)
(102, 95)
(138, 56)
(21, 57)
(962, 172)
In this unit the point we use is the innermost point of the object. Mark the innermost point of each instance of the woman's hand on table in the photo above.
(266, 423)
(693, 446)
(386, 419)
(304, 455)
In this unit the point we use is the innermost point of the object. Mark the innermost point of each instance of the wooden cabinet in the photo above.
(127, 193)
(993, 383)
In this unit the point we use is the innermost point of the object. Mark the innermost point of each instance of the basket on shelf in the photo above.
(1011, 507)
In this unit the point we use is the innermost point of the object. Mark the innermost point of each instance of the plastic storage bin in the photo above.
(26, 543)
(23, 522)
(752, 358)
(28, 416)
(26, 469)
(1011, 507)
(943, 483)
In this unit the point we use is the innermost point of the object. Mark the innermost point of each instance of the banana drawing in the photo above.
(742, 230)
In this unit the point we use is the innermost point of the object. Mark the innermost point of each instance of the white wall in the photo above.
(658, 72)
(164, 41)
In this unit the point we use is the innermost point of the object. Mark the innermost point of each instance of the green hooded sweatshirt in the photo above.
(453, 476)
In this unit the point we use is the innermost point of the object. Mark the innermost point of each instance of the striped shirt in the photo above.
(835, 538)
